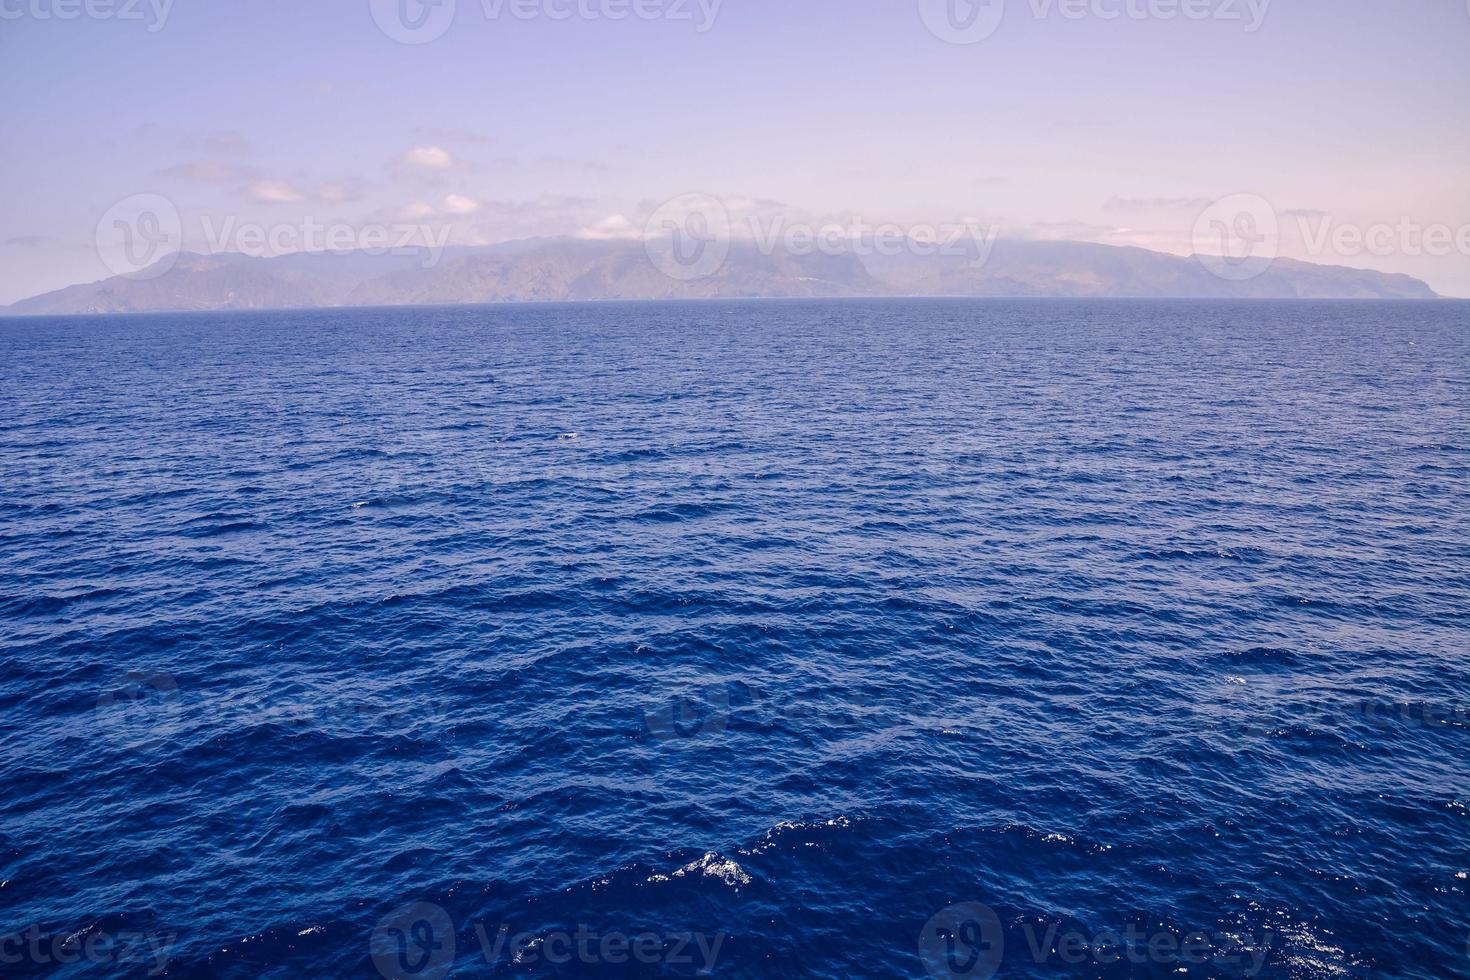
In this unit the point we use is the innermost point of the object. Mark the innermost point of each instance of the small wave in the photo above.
(712, 865)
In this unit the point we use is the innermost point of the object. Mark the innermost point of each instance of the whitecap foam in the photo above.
(713, 865)
(769, 840)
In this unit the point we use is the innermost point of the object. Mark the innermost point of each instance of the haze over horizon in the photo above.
(1109, 121)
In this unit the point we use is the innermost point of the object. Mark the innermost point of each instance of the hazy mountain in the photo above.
(570, 270)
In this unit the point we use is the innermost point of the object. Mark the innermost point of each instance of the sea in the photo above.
(820, 639)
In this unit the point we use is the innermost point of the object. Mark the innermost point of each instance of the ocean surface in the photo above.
(767, 639)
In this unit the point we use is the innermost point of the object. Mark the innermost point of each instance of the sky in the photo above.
(1344, 125)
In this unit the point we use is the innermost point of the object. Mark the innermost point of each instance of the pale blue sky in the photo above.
(272, 111)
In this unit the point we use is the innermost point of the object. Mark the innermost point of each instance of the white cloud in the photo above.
(454, 205)
(613, 227)
(494, 221)
(459, 204)
(274, 192)
(429, 157)
(415, 211)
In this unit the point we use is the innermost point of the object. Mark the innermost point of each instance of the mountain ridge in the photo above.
(574, 270)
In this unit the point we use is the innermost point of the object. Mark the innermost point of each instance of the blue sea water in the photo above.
(780, 639)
